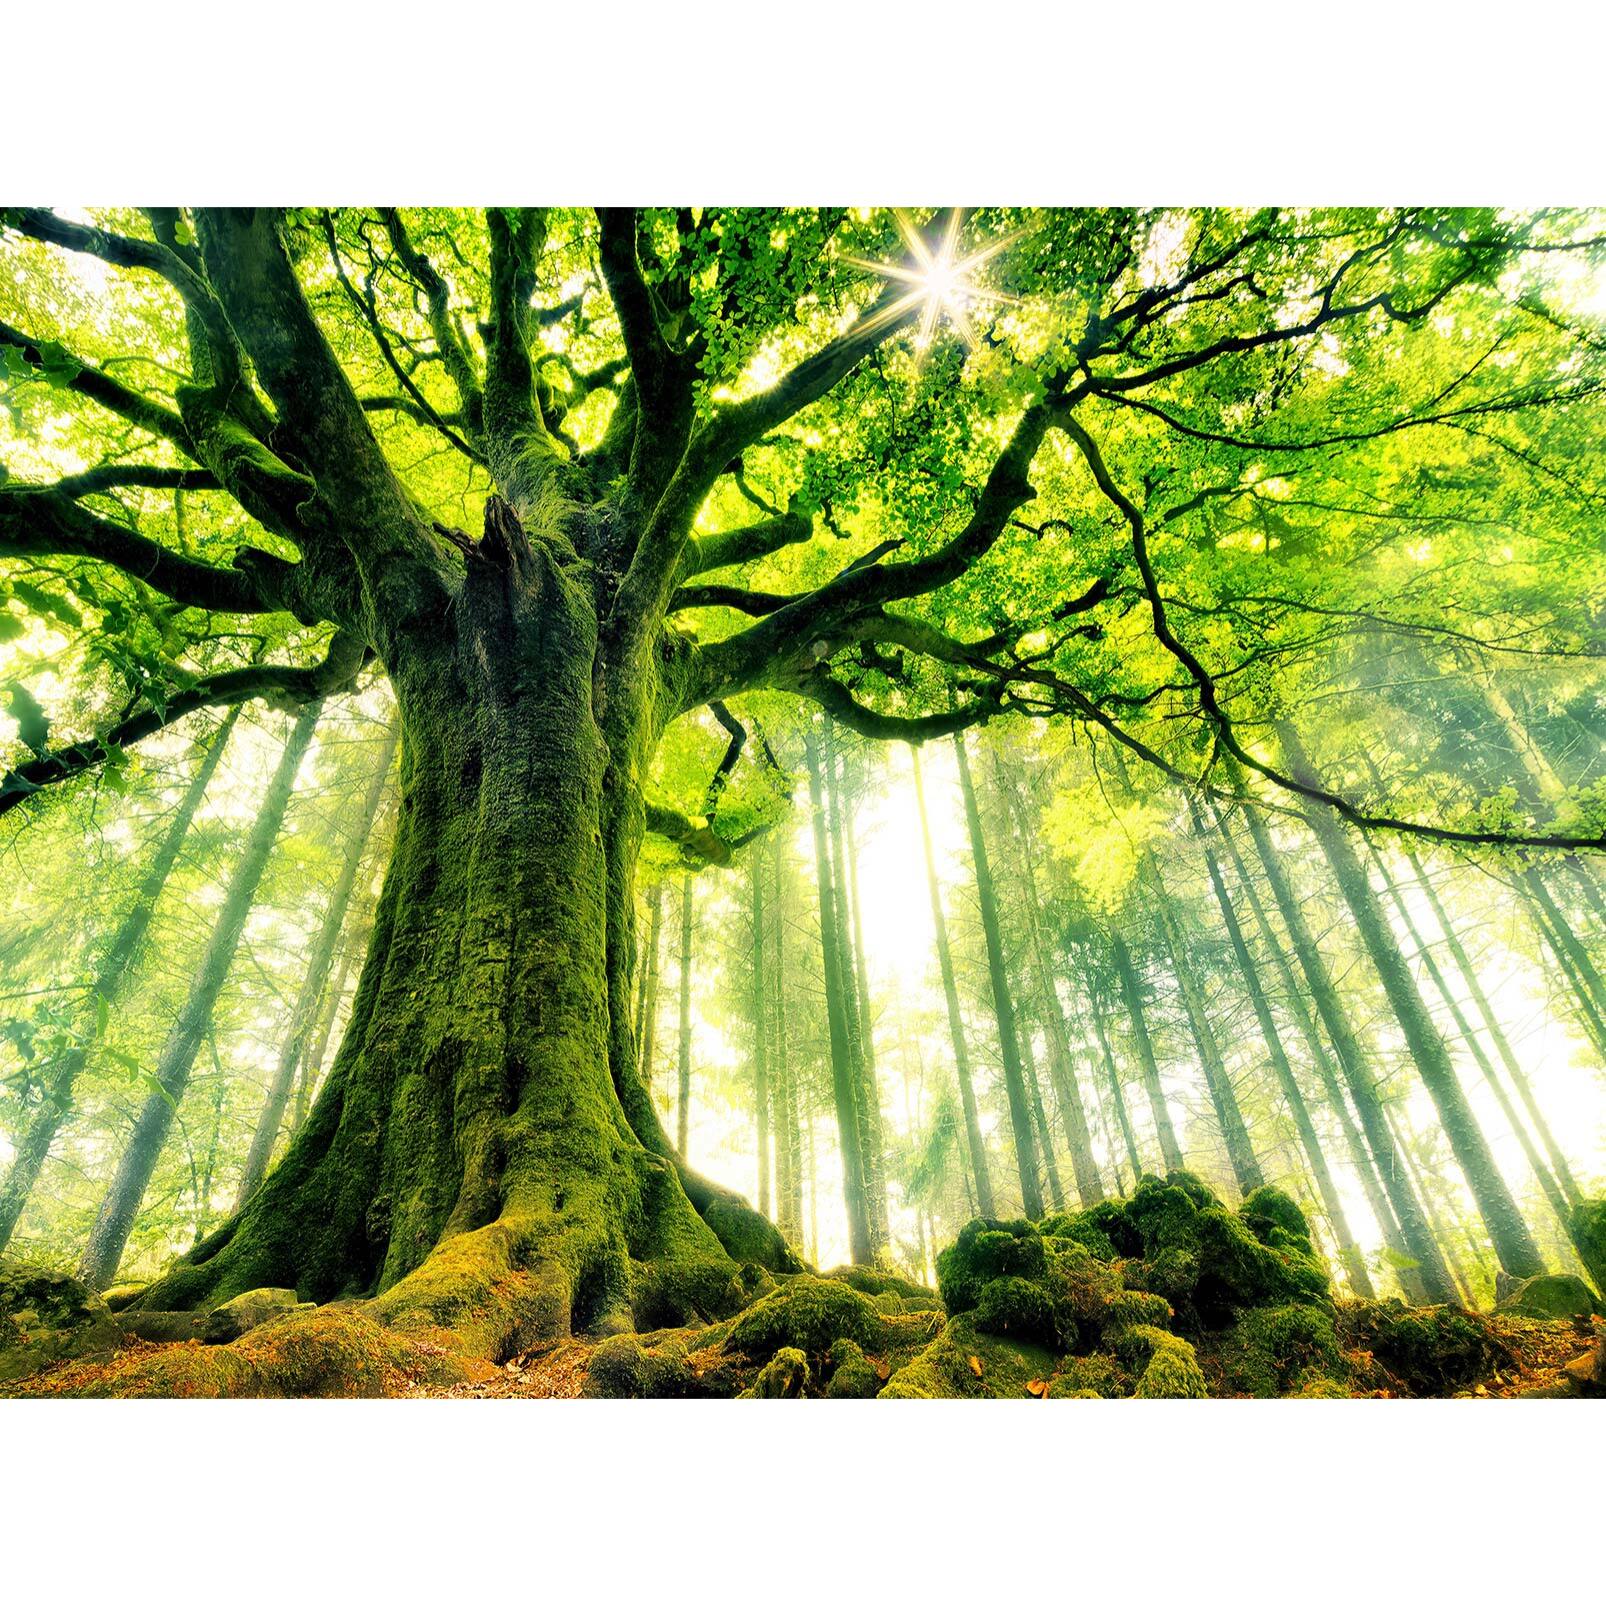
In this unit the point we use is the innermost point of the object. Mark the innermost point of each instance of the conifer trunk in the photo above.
(1117, 1096)
(1349, 1251)
(761, 1086)
(683, 1084)
(844, 1077)
(1429, 1269)
(1020, 1117)
(1132, 996)
(647, 1015)
(33, 1147)
(974, 1145)
(1508, 1232)
(115, 1220)
(788, 1160)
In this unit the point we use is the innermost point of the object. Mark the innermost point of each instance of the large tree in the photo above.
(718, 455)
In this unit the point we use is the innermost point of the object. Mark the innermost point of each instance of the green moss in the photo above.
(1089, 1377)
(1588, 1225)
(807, 1313)
(1426, 1349)
(1104, 1229)
(986, 1249)
(1163, 1215)
(626, 1368)
(1269, 1207)
(962, 1363)
(1011, 1307)
(1318, 1386)
(852, 1375)
(785, 1377)
(1172, 1371)
(47, 1317)
(1549, 1298)
(1081, 1284)
(1273, 1350)
(1135, 1309)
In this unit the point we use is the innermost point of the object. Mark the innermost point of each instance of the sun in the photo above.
(942, 283)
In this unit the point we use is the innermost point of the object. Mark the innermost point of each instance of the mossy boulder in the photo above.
(807, 1313)
(784, 1377)
(879, 1283)
(1550, 1297)
(987, 1249)
(47, 1316)
(1170, 1368)
(852, 1375)
(626, 1368)
(1425, 1349)
(963, 1363)
(1089, 1377)
(1281, 1349)
(1011, 1307)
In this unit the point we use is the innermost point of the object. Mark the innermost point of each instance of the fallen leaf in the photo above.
(1037, 1388)
(975, 1364)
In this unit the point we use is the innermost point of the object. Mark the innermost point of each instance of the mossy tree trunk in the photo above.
(126, 1191)
(304, 1013)
(1045, 1138)
(1293, 1096)
(1508, 1232)
(974, 1146)
(116, 964)
(1020, 1115)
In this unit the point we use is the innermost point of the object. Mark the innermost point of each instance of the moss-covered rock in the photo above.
(985, 1250)
(1425, 1349)
(625, 1368)
(1549, 1297)
(852, 1375)
(807, 1313)
(46, 1317)
(1011, 1307)
(784, 1377)
(1281, 1349)
(1089, 1377)
(962, 1363)
(1172, 1371)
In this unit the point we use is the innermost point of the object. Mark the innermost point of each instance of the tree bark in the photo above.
(789, 1168)
(1132, 996)
(956, 1025)
(1020, 1117)
(105, 990)
(302, 1016)
(115, 1220)
(1113, 1076)
(647, 1015)
(1429, 1269)
(683, 1085)
(1332, 1203)
(844, 1075)
(1508, 1232)
(761, 1084)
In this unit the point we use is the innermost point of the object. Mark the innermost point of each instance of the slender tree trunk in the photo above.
(1020, 1117)
(1443, 1236)
(1507, 1230)
(1132, 996)
(788, 1160)
(1061, 1061)
(844, 1078)
(1420, 1245)
(1234, 1132)
(352, 945)
(683, 1087)
(319, 961)
(1045, 1139)
(855, 997)
(1576, 964)
(1332, 1203)
(1497, 1036)
(1548, 1184)
(647, 1015)
(104, 991)
(761, 1085)
(1117, 1097)
(956, 1025)
(109, 1236)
